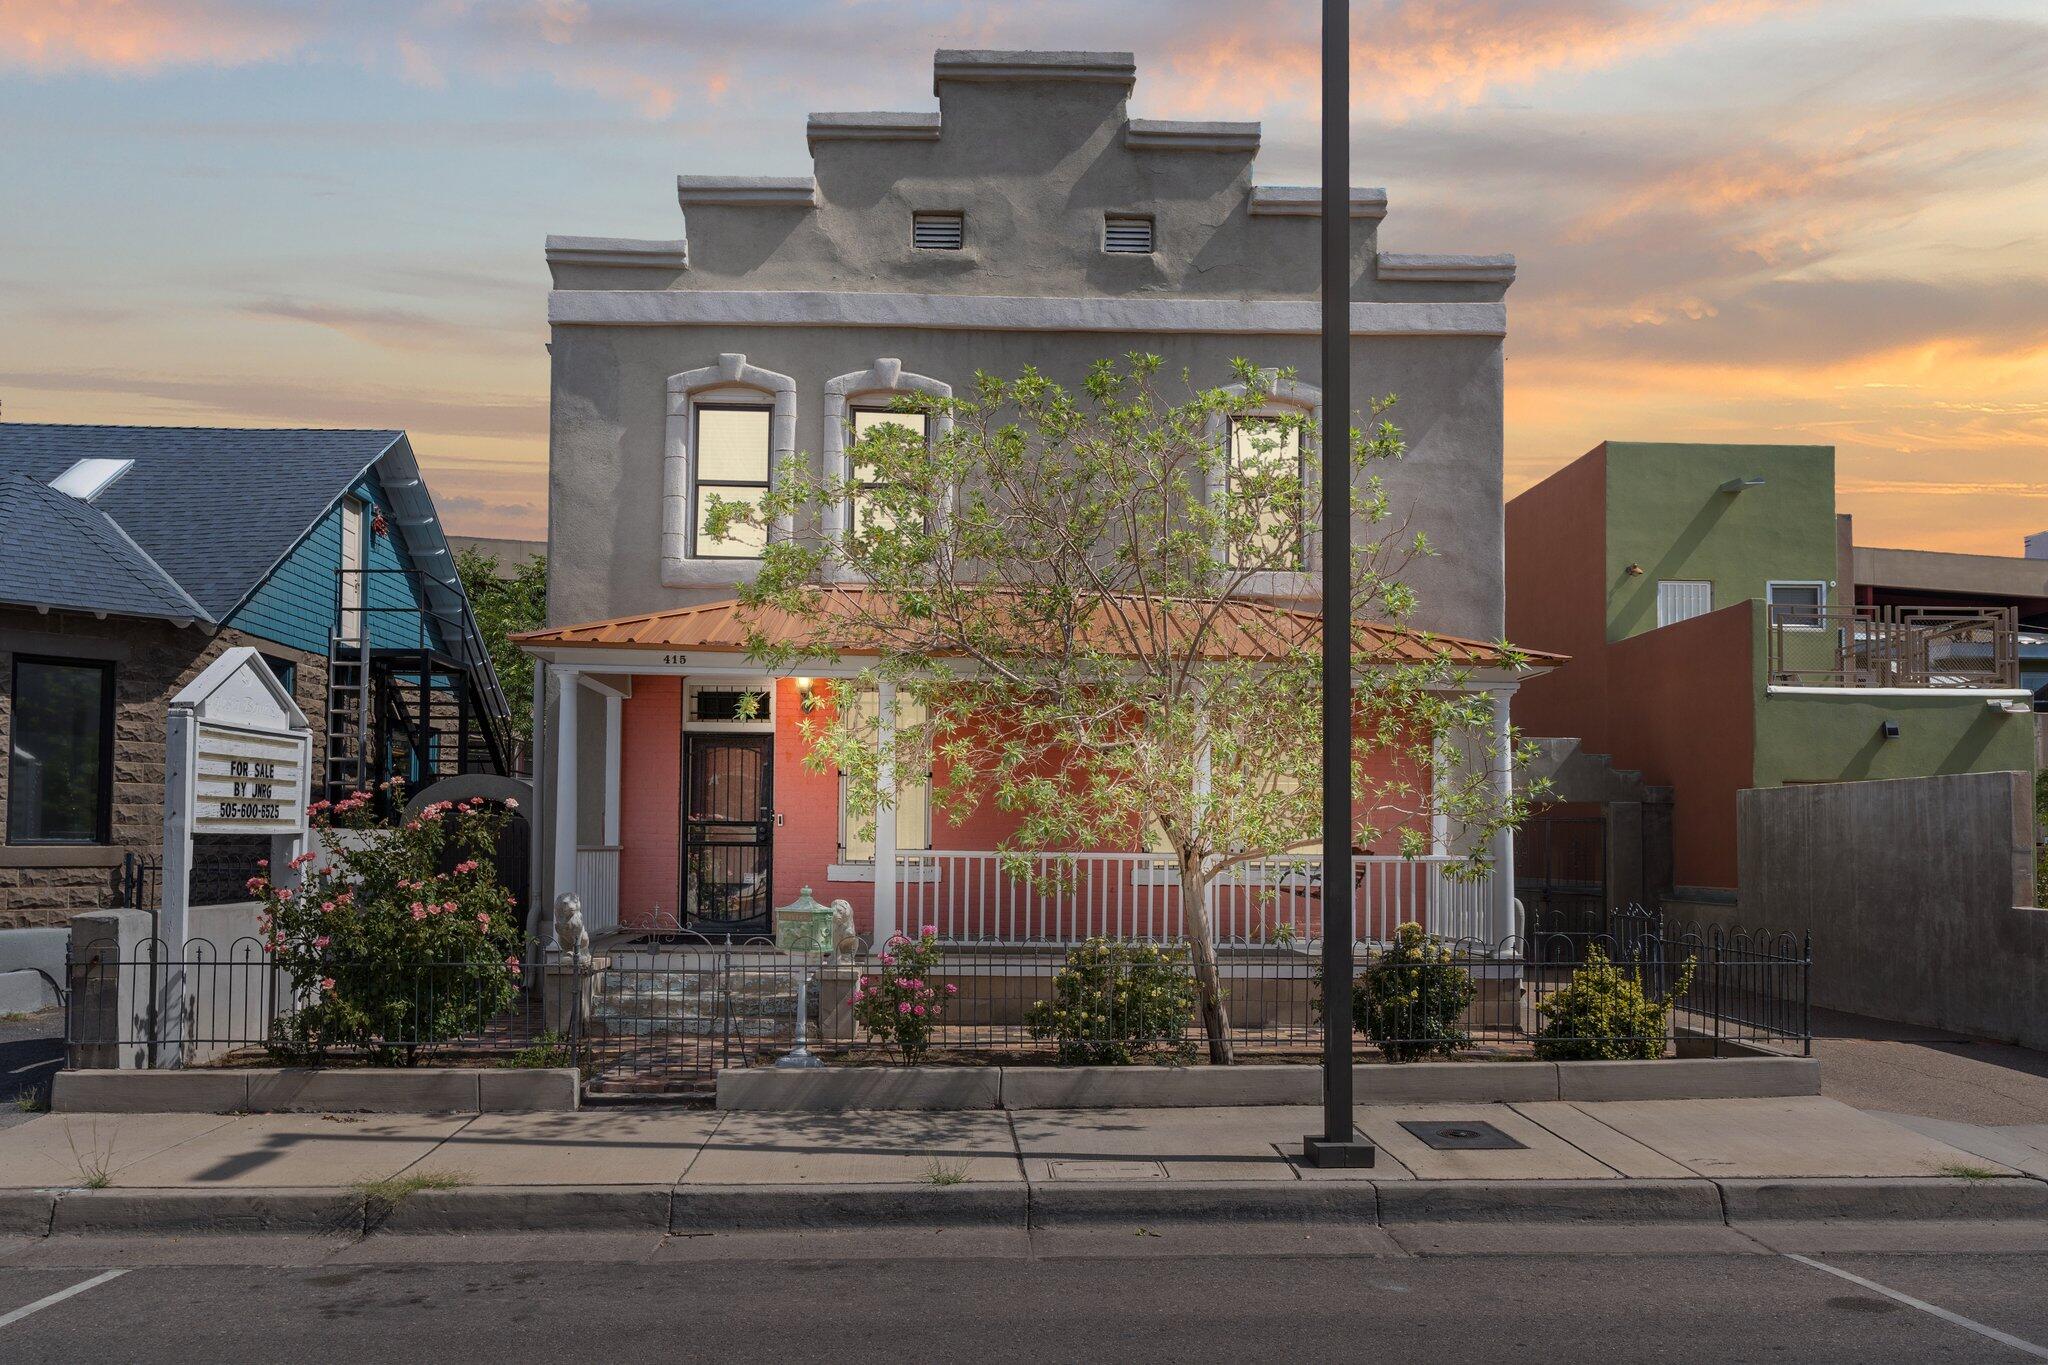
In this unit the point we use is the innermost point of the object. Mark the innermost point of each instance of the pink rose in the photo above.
(511, 803)
(483, 920)
(917, 1010)
(419, 911)
(952, 989)
(326, 983)
(322, 941)
(903, 1008)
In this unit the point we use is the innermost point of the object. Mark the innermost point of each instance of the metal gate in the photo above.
(1561, 874)
(728, 834)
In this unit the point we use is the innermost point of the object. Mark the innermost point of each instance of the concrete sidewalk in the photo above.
(687, 1170)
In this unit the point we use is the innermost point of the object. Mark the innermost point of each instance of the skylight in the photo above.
(88, 479)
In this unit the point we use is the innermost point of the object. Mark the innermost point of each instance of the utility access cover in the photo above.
(1462, 1135)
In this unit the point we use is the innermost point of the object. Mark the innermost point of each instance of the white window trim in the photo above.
(351, 623)
(732, 380)
(761, 724)
(1285, 398)
(880, 381)
(1771, 588)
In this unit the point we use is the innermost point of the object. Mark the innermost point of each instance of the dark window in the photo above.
(732, 466)
(60, 772)
(938, 231)
(285, 671)
(738, 705)
(1127, 235)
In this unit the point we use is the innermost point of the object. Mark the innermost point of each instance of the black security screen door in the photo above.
(728, 819)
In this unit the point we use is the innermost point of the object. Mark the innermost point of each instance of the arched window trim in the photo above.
(1285, 397)
(882, 379)
(732, 379)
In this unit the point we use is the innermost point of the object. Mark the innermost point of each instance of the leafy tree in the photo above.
(1059, 582)
(504, 607)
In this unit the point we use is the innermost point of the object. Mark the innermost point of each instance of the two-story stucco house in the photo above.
(1031, 219)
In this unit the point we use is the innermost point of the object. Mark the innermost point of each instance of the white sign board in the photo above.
(238, 759)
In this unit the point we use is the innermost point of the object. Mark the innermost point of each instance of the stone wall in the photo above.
(44, 885)
(1918, 892)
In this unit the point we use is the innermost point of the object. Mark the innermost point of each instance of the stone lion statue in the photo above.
(572, 939)
(844, 939)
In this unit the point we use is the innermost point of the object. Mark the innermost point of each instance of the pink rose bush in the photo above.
(903, 1006)
(385, 951)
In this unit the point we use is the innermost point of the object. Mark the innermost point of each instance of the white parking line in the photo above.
(40, 1304)
(2003, 1338)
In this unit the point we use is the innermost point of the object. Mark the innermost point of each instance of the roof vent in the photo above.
(938, 231)
(1127, 235)
(88, 479)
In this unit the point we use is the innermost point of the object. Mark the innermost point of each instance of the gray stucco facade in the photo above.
(814, 279)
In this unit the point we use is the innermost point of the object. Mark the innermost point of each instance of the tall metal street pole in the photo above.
(1338, 1144)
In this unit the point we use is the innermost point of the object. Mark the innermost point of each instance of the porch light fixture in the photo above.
(1634, 571)
(807, 693)
(1737, 485)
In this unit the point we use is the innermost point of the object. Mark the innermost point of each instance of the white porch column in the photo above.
(1503, 850)
(885, 814)
(570, 687)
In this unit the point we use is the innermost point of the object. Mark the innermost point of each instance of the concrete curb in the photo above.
(126, 1212)
(310, 1090)
(794, 1208)
(1014, 1206)
(1886, 1200)
(1549, 1201)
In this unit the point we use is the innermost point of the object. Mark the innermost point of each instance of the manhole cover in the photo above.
(1106, 1170)
(1463, 1135)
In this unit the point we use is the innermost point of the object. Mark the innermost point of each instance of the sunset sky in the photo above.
(1759, 220)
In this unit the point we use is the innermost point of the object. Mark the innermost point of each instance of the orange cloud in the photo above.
(1421, 54)
(142, 35)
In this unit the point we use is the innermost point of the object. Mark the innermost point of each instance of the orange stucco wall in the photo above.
(1557, 599)
(1684, 712)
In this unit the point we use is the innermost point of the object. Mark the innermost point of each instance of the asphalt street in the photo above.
(685, 1299)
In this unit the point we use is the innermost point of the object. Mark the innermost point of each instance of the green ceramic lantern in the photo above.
(804, 926)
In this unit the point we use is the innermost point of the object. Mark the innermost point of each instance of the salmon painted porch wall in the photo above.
(650, 801)
(806, 841)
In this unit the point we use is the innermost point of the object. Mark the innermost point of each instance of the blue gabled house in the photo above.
(130, 557)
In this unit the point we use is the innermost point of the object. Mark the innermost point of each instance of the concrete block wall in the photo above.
(1919, 894)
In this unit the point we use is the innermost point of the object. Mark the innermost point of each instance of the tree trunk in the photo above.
(1194, 901)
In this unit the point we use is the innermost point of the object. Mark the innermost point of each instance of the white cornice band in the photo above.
(629, 251)
(1176, 135)
(999, 313)
(1436, 269)
(878, 126)
(748, 191)
(966, 64)
(1306, 201)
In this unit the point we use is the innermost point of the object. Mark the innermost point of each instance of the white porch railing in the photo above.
(597, 881)
(984, 897)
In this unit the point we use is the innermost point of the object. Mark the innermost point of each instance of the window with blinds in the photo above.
(1127, 235)
(913, 793)
(938, 231)
(731, 466)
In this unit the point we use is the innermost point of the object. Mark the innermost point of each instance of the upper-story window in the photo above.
(1127, 234)
(1264, 450)
(938, 231)
(732, 465)
(867, 516)
(60, 772)
(1798, 606)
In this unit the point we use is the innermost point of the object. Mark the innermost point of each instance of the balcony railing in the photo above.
(1054, 898)
(1918, 647)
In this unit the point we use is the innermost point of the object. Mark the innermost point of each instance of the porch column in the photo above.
(885, 814)
(1503, 850)
(570, 687)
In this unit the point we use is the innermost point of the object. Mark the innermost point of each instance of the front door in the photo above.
(728, 823)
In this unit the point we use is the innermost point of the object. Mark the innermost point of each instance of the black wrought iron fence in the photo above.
(671, 1018)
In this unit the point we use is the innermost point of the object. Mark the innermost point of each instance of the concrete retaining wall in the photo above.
(1918, 893)
(282, 1090)
(1140, 1087)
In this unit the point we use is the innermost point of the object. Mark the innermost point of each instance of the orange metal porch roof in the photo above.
(1244, 630)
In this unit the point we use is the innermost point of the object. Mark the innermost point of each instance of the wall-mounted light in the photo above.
(2010, 706)
(1634, 571)
(807, 694)
(1890, 729)
(1737, 485)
